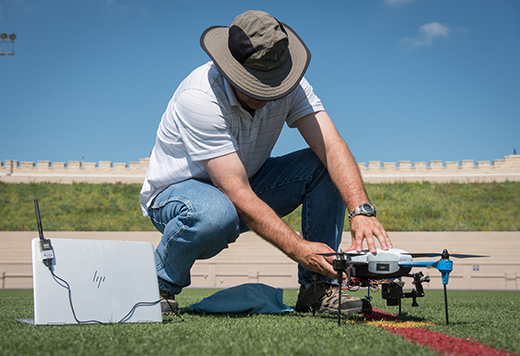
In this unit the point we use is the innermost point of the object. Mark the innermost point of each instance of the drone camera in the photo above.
(392, 293)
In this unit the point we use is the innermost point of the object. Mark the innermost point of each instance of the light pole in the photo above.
(7, 43)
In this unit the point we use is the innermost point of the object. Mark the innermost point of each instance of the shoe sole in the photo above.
(356, 310)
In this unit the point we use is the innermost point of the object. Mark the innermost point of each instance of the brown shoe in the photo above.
(168, 304)
(327, 300)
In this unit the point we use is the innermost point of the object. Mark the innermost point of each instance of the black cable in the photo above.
(97, 321)
(70, 301)
(135, 306)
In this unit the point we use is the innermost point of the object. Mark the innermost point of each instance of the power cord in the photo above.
(67, 285)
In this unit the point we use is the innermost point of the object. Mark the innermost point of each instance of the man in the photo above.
(211, 176)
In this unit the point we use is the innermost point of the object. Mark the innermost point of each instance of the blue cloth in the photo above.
(253, 298)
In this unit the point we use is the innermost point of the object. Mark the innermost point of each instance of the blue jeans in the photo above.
(198, 221)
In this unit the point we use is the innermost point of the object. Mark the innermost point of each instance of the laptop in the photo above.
(94, 281)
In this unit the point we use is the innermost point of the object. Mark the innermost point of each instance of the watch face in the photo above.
(368, 208)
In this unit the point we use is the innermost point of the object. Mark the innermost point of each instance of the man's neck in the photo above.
(248, 109)
(247, 103)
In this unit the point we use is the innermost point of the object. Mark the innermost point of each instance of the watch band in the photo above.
(364, 209)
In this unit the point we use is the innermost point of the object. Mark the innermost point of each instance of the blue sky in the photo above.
(415, 80)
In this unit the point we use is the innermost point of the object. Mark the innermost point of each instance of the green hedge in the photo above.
(401, 207)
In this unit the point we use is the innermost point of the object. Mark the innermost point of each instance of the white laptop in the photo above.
(109, 282)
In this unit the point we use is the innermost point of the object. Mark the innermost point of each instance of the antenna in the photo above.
(45, 244)
(38, 219)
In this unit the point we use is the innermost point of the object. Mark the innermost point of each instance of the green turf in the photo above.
(492, 317)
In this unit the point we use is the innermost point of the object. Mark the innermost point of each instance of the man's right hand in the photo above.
(309, 255)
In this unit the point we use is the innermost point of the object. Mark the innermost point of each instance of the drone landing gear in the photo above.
(446, 305)
(341, 265)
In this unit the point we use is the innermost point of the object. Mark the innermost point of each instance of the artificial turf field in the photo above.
(490, 317)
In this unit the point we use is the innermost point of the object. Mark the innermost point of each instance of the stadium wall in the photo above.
(499, 170)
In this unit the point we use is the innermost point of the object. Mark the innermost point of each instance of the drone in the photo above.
(385, 269)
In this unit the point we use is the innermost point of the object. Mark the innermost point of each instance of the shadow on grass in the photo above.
(172, 319)
(358, 318)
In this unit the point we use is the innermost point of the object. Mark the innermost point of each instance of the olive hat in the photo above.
(259, 56)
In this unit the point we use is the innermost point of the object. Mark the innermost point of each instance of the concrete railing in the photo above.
(105, 171)
(439, 171)
(74, 171)
(253, 260)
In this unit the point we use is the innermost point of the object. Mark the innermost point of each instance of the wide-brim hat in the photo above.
(260, 56)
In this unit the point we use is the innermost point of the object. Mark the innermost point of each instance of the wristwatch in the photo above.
(364, 209)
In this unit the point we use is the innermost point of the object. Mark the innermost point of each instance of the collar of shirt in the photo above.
(233, 101)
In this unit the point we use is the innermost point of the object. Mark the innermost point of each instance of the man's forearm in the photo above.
(345, 174)
(322, 136)
(264, 221)
(260, 218)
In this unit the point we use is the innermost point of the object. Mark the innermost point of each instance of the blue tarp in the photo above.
(253, 298)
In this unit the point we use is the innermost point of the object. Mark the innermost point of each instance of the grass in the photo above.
(72, 207)
(443, 206)
(401, 207)
(489, 316)
(448, 207)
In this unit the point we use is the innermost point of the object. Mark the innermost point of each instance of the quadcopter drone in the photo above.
(384, 270)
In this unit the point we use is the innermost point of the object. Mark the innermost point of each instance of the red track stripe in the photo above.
(444, 344)
(380, 315)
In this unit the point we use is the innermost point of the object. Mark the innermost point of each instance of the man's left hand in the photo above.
(366, 228)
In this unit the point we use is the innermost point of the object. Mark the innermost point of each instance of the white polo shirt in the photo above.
(204, 120)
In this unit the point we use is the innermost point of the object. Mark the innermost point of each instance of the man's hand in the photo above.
(365, 228)
(308, 254)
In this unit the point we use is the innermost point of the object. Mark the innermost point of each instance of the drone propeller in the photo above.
(343, 253)
(344, 259)
(456, 255)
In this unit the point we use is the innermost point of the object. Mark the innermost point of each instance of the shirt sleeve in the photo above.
(203, 127)
(304, 102)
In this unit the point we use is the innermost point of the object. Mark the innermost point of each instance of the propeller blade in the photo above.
(462, 255)
(456, 255)
(418, 255)
(351, 253)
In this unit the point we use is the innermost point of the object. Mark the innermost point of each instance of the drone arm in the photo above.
(444, 266)
(417, 264)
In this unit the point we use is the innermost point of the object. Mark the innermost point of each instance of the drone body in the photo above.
(382, 264)
(385, 269)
